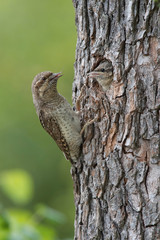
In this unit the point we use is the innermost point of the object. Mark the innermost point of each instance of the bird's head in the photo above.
(44, 85)
(103, 74)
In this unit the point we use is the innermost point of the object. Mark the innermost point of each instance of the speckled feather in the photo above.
(50, 124)
(56, 115)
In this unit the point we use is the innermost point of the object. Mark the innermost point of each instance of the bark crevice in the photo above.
(117, 194)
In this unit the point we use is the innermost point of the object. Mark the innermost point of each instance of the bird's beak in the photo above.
(93, 74)
(54, 76)
(58, 75)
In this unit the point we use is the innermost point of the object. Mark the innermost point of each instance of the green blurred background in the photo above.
(35, 36)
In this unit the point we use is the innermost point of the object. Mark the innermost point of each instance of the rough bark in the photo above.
(117, 184)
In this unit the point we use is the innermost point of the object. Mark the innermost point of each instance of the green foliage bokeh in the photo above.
(35, 36)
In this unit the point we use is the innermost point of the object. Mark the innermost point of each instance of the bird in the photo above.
(103, 73)
(56, 114)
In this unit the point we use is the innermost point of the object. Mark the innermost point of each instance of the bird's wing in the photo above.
(51, 125)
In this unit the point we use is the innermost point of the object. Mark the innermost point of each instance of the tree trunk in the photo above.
(117, 184)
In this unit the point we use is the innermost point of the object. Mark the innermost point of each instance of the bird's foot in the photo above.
(88, 123)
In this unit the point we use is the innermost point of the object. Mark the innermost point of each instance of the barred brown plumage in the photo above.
(56, 115)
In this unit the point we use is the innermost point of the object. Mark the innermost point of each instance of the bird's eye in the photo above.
(102, 70)
(43, 78)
